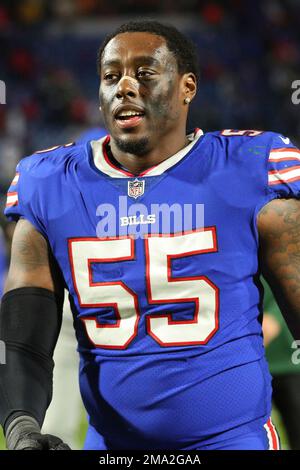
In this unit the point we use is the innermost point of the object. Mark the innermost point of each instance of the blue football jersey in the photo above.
(163, 275)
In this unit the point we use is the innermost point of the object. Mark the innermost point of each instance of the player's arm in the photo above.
(279, 233)
(30, 320)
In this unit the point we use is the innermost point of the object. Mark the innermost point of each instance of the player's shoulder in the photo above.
(241, 136)
(265, 158)
(249, 142)
(51, 160)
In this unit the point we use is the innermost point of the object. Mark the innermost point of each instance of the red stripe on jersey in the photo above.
(12, 199)
(282, 181)
(286, 149)
(282, 155)
(273, 434)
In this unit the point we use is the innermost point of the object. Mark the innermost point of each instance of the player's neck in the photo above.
(136, 164)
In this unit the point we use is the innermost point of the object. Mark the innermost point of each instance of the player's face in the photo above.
(141, 92)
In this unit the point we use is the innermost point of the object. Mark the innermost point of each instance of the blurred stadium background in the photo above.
(249, 55)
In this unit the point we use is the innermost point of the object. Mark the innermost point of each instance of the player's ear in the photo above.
(189, 87)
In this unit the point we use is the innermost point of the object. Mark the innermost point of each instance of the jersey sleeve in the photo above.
(23, 197)
(284, 168)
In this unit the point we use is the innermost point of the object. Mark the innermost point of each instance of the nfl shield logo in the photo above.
(136, 188)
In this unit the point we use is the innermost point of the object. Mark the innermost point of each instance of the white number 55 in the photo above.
(162, 288)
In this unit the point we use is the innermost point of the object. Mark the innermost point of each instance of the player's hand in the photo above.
(23, 433)
(38, 441)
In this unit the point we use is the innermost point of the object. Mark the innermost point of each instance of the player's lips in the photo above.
(128, 115)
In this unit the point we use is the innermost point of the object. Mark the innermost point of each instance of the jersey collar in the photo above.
(104, 164)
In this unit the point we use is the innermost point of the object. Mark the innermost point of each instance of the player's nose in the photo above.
(127, 87)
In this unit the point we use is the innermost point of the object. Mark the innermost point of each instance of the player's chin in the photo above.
(134, 144)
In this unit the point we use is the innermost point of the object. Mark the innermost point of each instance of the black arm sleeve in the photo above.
(30, 321)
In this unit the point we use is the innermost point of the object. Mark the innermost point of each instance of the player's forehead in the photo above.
(134, 46)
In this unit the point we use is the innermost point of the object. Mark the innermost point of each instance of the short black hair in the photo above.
(184, 49)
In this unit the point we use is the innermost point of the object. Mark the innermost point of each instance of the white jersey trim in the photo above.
(102, 163)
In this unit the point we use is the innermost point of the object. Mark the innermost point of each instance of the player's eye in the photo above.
(110, 76)
(144, 73)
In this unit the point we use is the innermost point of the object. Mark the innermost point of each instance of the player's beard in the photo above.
(137, 147)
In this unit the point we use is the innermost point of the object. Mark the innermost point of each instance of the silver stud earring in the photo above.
(187, 100)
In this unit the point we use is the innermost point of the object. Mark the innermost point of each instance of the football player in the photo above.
(166, 305)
